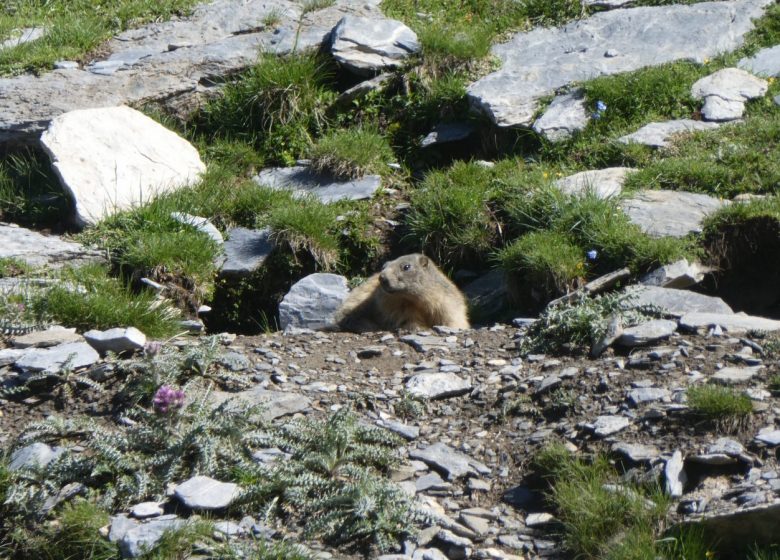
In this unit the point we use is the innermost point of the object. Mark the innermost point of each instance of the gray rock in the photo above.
(369, 45)
(52, 360)
(447, 132)
(735, 375)
(220, 38)
(609, 4)
(602, 183)
(52, 336)
(647, 394)
(143, 537)
(725, 93)
(769, 436)
(669, 213)
(660, 134)
(116, 340)
(636, 452)
(246, 250)
(765, 62)
(424, 343)
(120, 525)
(733, 323)
(679, 274)
(453, 463)
(203, 225)
(406, 431)
(647, 333)
(9, 355)
(39, 250)
(22, 36)
(377, 83)
(115, 158)
(34, 455)
(732, 529)
(146, 509)
(205, 493)
(275, 404)
(676, 302)
(312, 302)
(674, 475)
(537, 63)
(565, 116)
(303, 181)
(607, 425)
(437, 385)
(487, 295)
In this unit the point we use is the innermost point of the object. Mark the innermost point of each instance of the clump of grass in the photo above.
(457, 42)
(542, 263)
(88, 298)
(774, 384)
(727, 408)
(30, 193)
(351, 153)
(307, 225)
(277, 106)
(74, 28)
(451, 216)
(602, 516)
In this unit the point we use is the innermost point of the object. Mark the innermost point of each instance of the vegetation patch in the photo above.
(74, 28)
(30, 193)
(728, 409)
(351, 153)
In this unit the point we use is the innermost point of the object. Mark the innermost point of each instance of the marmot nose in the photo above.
(383, 280)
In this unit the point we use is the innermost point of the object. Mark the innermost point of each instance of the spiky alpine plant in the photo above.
(122, 464)
(333, 483)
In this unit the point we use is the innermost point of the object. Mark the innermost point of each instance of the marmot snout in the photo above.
(409, 292)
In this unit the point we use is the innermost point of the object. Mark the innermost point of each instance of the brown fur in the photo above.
(409, 293)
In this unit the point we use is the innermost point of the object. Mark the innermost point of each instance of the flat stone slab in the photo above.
(443, 457)
(116, 158)
(660, 134)
(174, 61)
(602, 183)
(142, 537)
(726, 91)
(35, 455)
(52, 360)
(679, 274)
(52, 336)
(732, 323)
(246, 250)
(669, 213)
(206, 493)
(538, 62)
(38, 250)
(607, 425)
(445, 133)
(369, 45)
(275, 404)
(437, 385)
(735, 375)
(675, 476)
(312, 302)
(647, 394)
(565, 116)
(769, 437)
(116, 340)
(636, 452)
(647, 333)
(302, 181)
(677, 302)
(765, 62)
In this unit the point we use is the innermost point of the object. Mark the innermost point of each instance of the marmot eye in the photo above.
(406, 266)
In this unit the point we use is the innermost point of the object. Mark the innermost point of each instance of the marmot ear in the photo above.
(423, 260)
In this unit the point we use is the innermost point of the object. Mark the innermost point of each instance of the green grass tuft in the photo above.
(88, 298)
(719, 403)
(351, 153)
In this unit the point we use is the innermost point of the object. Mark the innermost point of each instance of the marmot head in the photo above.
(405, 275)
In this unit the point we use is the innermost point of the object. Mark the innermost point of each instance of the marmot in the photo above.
(410, 293)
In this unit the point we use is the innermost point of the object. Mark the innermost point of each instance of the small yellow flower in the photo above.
(559, 174)
(770, 80)
(545, 174)
(706, 61)
(709, 554)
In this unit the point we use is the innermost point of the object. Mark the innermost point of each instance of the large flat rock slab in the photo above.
(678, 302)
(765, 62)
(659, 134)
(669, 213)
(601, 183)
(302, 181)
(169, 61)
(116, 158)
(38, 250)
(537, 63)
(729, 322)
(369, 45)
